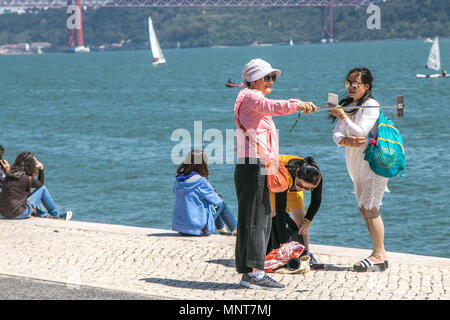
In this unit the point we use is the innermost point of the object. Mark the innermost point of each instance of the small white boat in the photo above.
(77, 49)
(436, 75)
(81, 49)
(291, 42)
(158, 57)
(434, 62)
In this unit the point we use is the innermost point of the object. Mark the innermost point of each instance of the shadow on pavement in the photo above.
(224, 262)
(332, 267)
(200, 285)
(163, 234)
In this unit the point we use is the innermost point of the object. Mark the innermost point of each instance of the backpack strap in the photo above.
(247, 137)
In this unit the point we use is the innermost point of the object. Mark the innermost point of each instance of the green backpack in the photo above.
(385, 154)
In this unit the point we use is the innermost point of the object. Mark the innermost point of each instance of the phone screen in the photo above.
(333, 99)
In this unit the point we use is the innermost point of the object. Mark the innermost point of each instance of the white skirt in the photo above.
(368, 186)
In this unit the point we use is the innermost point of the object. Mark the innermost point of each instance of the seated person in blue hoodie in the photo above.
(195, 198)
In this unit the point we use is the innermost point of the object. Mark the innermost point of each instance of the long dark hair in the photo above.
(366, 78)
(195, 161)
(24, 164)
(305, 169)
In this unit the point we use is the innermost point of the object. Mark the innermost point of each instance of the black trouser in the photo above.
(254, 216)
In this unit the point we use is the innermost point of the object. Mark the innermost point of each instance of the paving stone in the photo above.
(162, 263)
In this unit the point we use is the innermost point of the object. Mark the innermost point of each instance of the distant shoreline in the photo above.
(140, 47)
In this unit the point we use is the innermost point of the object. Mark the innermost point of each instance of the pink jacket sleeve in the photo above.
(269, 107)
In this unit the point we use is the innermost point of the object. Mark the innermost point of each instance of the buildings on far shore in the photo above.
(24, 48)
(42, 47)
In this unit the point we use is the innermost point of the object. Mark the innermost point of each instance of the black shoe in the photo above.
(66, 216)
(266, 283)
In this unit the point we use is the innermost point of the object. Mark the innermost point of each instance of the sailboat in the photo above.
(158, 57)
(434, 62)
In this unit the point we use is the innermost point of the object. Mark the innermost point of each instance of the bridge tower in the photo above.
(78, 30)
(327, 26)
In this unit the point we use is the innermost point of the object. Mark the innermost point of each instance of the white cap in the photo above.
(256, 69)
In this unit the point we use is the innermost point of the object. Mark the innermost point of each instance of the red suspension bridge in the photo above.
(327, 28)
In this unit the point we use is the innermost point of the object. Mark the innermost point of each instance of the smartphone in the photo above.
(333, 99)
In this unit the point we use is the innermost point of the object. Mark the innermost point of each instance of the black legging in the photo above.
(254, 216)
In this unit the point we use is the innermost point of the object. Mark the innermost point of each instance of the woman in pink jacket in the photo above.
(253, 118)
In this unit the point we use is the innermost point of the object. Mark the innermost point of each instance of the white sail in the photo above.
(434, 59)
(158, 56)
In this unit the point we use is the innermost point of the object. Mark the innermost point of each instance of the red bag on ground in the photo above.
(279, 257)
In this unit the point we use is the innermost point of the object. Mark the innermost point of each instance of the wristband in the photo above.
(306, 222)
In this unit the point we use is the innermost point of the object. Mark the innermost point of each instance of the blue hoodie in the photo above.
(193, 198)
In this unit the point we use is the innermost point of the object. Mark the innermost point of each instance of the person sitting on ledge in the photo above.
(195, 200)
(16, 201)
(4, 167)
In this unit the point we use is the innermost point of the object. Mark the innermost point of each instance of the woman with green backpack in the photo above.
(352, 131)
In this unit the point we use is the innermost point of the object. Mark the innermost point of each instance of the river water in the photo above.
(106, 125)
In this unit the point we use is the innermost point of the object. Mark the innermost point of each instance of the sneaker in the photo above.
(313, 260)
(265, 282)
(66, 216)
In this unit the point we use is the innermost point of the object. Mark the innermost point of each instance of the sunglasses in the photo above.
(353, 84)
(299, 184)
(269, 77)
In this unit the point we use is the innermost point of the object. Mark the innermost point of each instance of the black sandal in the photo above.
(368, 266)
(230, 234)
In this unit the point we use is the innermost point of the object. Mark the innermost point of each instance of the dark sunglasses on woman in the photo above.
(300, 185)
(268, 77)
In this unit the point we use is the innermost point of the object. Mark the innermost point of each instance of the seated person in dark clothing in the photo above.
(305, 175)
(16, 199)
(4, 167)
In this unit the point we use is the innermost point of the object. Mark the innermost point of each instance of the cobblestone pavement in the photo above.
(161, 263)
